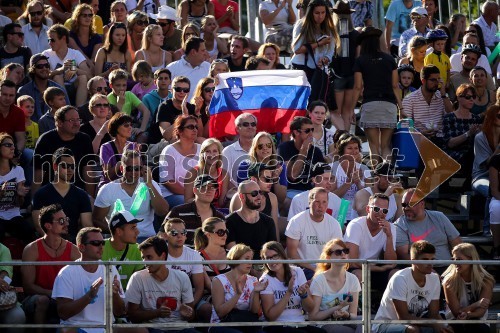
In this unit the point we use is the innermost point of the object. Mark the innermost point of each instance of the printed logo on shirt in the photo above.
(313, 240)
(422, 236)
(9, 194)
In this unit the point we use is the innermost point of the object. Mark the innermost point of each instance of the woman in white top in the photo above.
(177, 158)
(287, 293)
(214, 44)
(322, 136)
(335, 291)
(468, 290)
(279, 18)
(151, 51)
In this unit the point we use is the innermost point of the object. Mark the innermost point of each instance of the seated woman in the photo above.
(468, 289)
(136, 24)
(287, 297)
(226, 14)
(335, 291)
(176, 158)
(97, 128)
(215, 45)
(485, 97)
(82, 34)
(201, 98)
(210, 241)
(194, 11)
(188, 31)
(13, 72)
(236, 293)
(279, 18)
(210, 162)
(218, 66)
(415, 57)
(151, 51)
(494, 206)
(272, 53)
(114, 54)
(119, 14)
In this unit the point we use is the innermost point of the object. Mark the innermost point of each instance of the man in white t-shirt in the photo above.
(321, 176)
(79, 289)
(412, 294)
(309, 231)
(367, 237)
(159, 294)
(68, 66)
(173, 230)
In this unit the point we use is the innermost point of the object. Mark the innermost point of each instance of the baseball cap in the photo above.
(204, 180)
(319, 169)
(36, 58)
(386, 169)
(419, 11)
(121, 218)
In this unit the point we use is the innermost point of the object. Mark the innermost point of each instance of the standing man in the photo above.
(38, 281)
(79, 289)
(489, 15)
(237, 58)
(13, 49)
(397, 20)
(35, 32)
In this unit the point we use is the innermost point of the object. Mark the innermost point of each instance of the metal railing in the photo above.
(365, 320)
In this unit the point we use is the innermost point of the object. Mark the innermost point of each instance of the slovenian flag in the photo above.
(275, 97)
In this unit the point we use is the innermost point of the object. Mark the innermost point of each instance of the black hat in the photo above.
(204, 180)
(319, 169)
(386, 169)
(36, 58)
(471, 48)
(121, 218)
(342, 7)
(369, 32)
(255, 168)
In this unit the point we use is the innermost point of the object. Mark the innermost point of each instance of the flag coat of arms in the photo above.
(275, 97)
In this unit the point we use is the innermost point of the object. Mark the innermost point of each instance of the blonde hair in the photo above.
(238, 251)
(141, 67)
(326, 254)
(479, 276)
(262, 50)
(148, 34)
(76, 13)
(200, 239)
(255, 142)
(23, 99)
(204, 146)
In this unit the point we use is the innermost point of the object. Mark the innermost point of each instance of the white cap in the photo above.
(166, 13)
(419, 11)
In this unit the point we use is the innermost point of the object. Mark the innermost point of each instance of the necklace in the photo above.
(50, 247)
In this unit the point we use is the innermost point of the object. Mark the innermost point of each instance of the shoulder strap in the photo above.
(311, 51)
(124, 254)
(214, 268)
(324, 140)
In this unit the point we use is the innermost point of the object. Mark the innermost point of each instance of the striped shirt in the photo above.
(425, 115)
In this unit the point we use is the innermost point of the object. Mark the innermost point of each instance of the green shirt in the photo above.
(126, 271)
(131, 102)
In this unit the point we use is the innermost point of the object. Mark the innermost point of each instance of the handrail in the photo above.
(365, 320)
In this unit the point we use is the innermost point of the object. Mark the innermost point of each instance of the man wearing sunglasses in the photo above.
(79, 289)
(13, 49)
(418, 223)
(74, 201)
(35, 31)
(38, 281)
(372, 237)
(174, 232)
(419, 20)
(299, 155)
(308, 231)
(166, 19)
(195, 212)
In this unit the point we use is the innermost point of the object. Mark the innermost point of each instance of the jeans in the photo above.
(482, 186)
(26, 163)
(175, 200)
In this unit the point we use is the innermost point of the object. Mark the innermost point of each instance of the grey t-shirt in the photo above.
(436, 228)
(482, 152)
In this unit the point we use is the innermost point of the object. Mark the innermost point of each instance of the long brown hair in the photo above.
(278, 248)
(489, 125)
(200, 239)
(4, 136)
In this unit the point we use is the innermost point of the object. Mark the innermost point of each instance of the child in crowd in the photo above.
(437, 39)
(406, 75)
(143, 74)
(55, 98)
(27, 104)
(127, 102)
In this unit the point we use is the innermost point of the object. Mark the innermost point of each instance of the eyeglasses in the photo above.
(127, 125)
(101, 105)
(209, 89)
(220, 61)
(248, 124)
(163, 24)
(468, 97)
(37, 13)
(184, 90)
(95, 242)
(87, 15)
(261, 146)
(51, 40)
(267, 180)
(338, 253)
(62, 220)
(275, 257)
(407, 205)
(255, 193)
(7, 145)
(221, 232)
(73, 121)
(130, 168)
(143, 23)
(101, 89)
(191, 127)
(175, 233)
(42, 66)
(415, 17)
(65, 165)
(20, 34)
(377, 209)
(306, 130)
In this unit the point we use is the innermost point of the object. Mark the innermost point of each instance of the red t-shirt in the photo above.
(14, 122)
(220, 10)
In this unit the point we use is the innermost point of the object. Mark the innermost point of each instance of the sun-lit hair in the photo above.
(326, 254)
(75, 27)
(238, 251)
(262, 51)
(202, 161)
(253, 148)
(200, 237)
(147, 35)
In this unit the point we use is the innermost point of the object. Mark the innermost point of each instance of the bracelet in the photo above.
(304, 296)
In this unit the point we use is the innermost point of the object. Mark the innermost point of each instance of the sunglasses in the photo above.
(184, 90)
(220, 61)
(130, 168)
(221, 232)
(163, 24)
(305, 130)
(65, 165)
(248, 124)
(143, 23)
(37, 13)
(7, 145)
(377, 209)
(95, 243)
(62, 220)
(406, 205)
(51, 40)
(208, 187)
(127, 125)
(20, 34)
(101, 105)
(101, 89)
(42, 66)
(433, 80)
(261, 146)
(175, 233)
(191, 127)
(468, 97)
(209, 89)
(87, 15)
(255, 193)
(416, 17)
(338, 252)
(268, 180)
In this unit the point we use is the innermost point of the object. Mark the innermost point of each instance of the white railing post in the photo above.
(108, 298)
(366, 297)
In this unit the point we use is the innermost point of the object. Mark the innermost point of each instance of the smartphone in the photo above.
(169, 302)
(347, 297)
(321, 38)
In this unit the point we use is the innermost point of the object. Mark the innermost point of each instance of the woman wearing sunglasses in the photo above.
(287, 296)
(236, 293)
(210, 241)
(82, 34)
(97, 128)
(119, 128)
(335, 291)
(201, 99)
(136, 24)
(114, 54)
(177, 158)
(12, 193)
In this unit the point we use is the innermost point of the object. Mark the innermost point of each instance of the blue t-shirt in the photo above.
(400, 15)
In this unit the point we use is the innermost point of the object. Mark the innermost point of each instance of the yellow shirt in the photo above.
(441, 61)
(97, 22)
(32, 135)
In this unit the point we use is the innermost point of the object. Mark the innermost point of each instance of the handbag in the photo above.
(8, 299)
(237, 315)
(319, 79)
